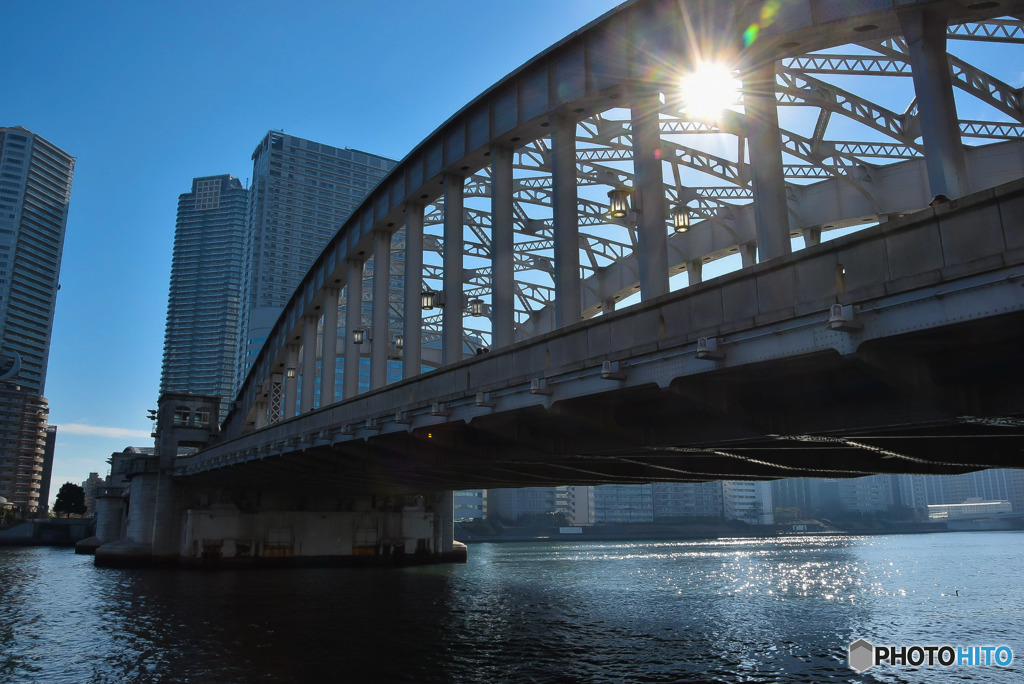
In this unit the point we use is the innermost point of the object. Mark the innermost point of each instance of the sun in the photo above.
(709, 90)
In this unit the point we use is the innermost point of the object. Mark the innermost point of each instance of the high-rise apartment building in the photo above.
(204, 300)
(35, 190)
(302, 192)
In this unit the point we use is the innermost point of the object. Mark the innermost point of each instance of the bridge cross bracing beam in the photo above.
(583, 73)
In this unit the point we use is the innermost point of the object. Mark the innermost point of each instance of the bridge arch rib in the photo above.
(484, 215)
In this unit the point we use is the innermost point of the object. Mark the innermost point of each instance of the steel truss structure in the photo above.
(852, 151)
(605, 153)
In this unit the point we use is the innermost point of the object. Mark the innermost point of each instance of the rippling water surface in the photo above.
(738, 610)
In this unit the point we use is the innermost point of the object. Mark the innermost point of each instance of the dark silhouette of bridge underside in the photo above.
(934, 389)
(867, 414)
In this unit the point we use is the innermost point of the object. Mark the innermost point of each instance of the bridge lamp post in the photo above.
(618, 202)
(681, 218)
(429, 299)
(399, 341)
(358, 336)
(477, 307)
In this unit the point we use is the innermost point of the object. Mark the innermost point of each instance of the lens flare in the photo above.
(768, 14)
(750, 35)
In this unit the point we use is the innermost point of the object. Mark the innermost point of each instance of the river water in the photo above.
(734, 610)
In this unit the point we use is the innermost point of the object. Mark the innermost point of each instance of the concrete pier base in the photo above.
(458, 554)
(124, 553)
(368, 533)
(109, 513)
(256, 531)
(87, 547)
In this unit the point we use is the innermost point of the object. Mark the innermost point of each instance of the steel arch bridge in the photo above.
(848, 114)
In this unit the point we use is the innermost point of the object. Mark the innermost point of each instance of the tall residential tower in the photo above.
(302, 192)
(204, 301)
(35, 189)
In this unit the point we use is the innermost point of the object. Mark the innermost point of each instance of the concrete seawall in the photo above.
(56, 532)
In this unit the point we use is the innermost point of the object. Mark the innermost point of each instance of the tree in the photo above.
(70, 499)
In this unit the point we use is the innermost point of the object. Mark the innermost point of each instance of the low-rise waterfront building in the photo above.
(470, 504)
(747, 501)
(973, 508)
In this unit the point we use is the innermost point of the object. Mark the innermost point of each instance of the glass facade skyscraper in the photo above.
(302, 192)
(204, 300)
(35, 190)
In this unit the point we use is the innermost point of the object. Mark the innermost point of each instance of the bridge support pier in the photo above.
(265, 529)
(135, 548)
(211, 528)
(153, 527)
(444, 528)
(176, 522)
(110, 508)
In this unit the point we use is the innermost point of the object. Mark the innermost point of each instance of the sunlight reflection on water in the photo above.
(756, 609)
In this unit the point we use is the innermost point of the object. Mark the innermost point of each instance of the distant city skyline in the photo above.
(749, 501)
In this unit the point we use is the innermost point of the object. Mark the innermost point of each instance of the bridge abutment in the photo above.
(177, 522)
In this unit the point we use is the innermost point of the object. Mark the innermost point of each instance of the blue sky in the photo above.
(148, 95)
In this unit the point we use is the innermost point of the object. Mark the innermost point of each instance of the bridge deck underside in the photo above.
(926, 402)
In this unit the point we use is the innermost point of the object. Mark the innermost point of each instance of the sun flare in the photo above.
(709, 90)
